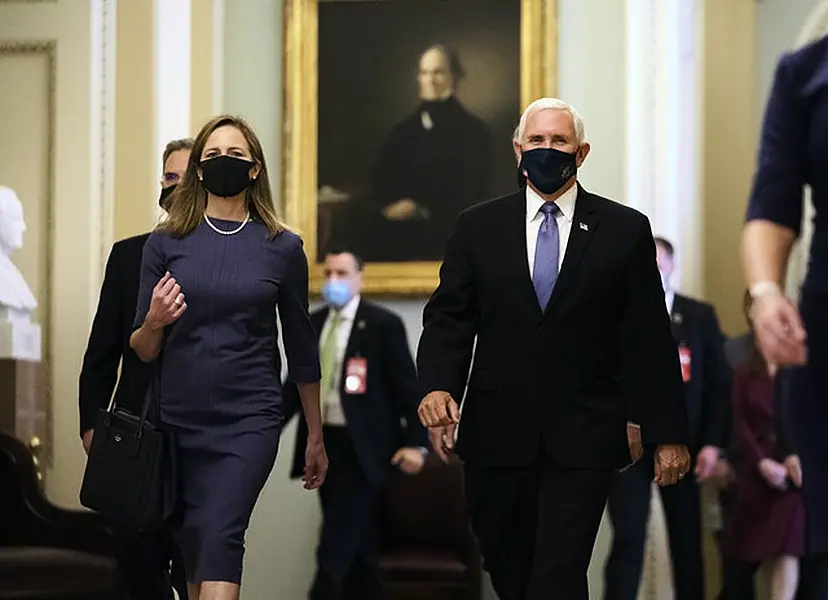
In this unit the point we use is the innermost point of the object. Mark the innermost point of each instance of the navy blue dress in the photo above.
(794, 152)
(220, 389)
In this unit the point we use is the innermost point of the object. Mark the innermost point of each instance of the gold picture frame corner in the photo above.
(538, 68)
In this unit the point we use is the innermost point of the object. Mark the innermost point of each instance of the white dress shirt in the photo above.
(534, 218)
(332, 397)
(669, 298)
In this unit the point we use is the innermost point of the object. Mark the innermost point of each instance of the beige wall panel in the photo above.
(136, 179)
(203, 74)
(26, 120)
(729, 150)
(78, 223)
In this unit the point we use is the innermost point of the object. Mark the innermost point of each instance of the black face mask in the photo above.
(548, 169)
(226, 176)
(164, 197)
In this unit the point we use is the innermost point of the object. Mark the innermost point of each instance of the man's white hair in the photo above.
(550, 104)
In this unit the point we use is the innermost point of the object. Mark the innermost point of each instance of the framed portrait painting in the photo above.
(399, 115)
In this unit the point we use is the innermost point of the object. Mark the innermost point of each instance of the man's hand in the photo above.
(779, 331)
(706, 463)
(794, 469)
(316, 463)
(634, 441)
(442, 440)
(671, 463)
(401, 210)
(87, 440)
(409, 460)
(438, 411)
(773, 472)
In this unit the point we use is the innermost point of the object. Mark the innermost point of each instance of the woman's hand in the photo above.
(779, 331)
(774, 473)
(316, 463)
(794, 469)
(166, 305)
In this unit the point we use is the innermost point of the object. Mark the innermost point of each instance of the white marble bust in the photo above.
(15, 296)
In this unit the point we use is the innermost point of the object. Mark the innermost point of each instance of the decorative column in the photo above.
(171, 76)
(663, 135)
(663, 98)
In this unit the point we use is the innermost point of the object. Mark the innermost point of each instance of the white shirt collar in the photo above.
(348, 312)
(566, 203)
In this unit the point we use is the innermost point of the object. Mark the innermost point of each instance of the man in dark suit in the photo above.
(144, 559)
(369, 396)
(561, 362)
(700, 344)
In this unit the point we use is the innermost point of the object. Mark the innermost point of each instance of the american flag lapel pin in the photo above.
(583, 226)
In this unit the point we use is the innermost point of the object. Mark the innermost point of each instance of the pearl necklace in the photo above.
(222, 231)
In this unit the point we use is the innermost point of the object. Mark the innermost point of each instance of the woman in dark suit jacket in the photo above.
(794, 153)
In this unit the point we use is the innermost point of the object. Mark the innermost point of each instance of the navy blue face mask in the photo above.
(164, 197)
(548, 169)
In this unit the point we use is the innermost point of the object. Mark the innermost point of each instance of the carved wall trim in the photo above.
(106, 58)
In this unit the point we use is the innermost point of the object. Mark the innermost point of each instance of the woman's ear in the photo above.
(255, 170)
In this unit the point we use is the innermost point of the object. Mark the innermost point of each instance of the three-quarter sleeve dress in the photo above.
(794, 153)
(220, 388)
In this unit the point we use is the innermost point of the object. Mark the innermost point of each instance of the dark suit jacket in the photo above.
(383, 419)
(695, 326)
(568, 378)
(109, 339)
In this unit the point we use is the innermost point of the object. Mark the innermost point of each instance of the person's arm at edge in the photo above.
(99, 373)
(148, 337)
(651, 368)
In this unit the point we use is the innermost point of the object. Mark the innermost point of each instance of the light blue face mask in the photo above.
(336, 292)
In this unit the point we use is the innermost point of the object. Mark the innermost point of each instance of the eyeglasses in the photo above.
(171, 177)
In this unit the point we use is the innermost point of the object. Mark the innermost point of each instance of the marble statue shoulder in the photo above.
(15, 295)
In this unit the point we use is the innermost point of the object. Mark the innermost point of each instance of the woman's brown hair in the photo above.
(189, 200)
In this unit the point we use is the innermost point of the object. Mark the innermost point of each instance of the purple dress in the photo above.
(220, 389)
(766, 522)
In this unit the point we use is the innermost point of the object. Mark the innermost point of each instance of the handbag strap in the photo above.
(155, 383)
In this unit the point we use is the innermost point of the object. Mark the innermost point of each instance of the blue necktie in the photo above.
(547, 250)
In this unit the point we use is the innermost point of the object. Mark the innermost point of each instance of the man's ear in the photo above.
(581, 154)
(518, 151)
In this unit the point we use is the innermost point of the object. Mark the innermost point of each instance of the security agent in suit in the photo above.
(559, 289)
(143, 558)
(369, 400)
(704, 370)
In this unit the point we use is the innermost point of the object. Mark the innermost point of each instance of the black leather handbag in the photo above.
(130, 472)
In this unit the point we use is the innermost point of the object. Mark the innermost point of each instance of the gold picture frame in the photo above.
(538, 77)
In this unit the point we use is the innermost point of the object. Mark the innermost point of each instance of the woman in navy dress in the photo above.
(212, 277)
(794, 153)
